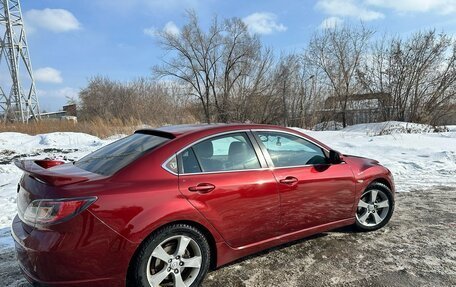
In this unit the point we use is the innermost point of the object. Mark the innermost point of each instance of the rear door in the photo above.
(226, 178)
(312, 191)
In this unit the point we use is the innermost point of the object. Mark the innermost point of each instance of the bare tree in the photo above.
(419, 73)
(338, 53)
(211, 62)
(239, 54)
(195, 56)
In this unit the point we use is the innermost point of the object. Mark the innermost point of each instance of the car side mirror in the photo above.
(334, 157)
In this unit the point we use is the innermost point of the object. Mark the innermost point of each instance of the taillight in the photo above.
(44, 212)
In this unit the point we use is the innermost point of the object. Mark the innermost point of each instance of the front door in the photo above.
(227, 181)
(312, 191)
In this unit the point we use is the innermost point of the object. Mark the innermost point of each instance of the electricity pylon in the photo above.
(18, 99)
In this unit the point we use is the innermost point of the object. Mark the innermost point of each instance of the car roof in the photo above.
(178, 130)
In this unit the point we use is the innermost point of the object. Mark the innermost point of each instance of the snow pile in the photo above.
(22, 143)
(393, 127)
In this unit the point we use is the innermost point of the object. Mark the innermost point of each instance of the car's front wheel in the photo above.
(177, 255)
(375, 207)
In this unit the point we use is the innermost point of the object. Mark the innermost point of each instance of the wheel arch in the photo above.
(210, 239)
(381, 180)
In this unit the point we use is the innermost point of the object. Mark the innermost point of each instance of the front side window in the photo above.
(288, 150)
(222, 153)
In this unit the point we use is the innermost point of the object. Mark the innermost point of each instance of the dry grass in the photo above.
(97, 127)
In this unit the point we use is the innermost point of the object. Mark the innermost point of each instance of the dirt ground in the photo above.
(417, 248)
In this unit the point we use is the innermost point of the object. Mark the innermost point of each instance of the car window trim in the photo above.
(250, 137)
(268, 156)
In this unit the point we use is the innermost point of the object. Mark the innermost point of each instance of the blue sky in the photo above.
(70, 41)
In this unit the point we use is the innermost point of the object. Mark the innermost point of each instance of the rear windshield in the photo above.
(111, 158)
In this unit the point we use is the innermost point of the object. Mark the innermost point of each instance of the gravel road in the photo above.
(417, 248)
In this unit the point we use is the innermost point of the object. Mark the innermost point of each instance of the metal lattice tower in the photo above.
(18, 99)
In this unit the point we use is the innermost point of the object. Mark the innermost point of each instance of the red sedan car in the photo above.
(162, 207)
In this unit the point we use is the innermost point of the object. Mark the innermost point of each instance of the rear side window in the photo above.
(189, 162)
(221, 153)
(111, 158)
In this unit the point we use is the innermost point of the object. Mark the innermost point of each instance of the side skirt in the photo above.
(226, 254)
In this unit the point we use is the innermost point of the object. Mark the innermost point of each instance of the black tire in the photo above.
(388, 193)
(137, 274)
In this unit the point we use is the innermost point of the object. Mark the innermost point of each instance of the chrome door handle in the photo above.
(202, 188)
(290, 180)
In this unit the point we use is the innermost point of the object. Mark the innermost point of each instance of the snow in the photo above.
(418, 158)
(392, 127)
(328, 126)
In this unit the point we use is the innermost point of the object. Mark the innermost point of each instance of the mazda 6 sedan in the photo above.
(163, 206)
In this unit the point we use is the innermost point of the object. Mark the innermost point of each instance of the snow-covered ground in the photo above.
(418, 160)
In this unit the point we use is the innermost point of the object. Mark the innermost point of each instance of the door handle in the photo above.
(202, 188)
(290, 180)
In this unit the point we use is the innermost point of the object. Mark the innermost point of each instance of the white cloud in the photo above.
(170, 28)
(48, 75)
(348, 8)
(331, 22)
(55, 20)
(263, 23)
(404, 6)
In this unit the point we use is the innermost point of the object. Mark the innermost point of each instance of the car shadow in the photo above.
(275, 248)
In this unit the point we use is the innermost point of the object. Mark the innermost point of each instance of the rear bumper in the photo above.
(91, 255)
(96, 282)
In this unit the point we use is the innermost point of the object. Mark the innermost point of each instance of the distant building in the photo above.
(361, 108)
(70, 110)
(68, 113)
(52, 115)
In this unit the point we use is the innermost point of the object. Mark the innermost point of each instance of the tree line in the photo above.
(226, 74)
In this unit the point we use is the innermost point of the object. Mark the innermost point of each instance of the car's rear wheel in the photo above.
(375, 207)
(177, 255)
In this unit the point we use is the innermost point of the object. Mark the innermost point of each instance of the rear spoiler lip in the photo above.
(47, 176)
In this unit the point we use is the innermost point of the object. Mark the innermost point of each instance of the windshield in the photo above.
(111, 158)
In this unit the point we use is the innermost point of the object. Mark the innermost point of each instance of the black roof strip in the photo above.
(155, 133)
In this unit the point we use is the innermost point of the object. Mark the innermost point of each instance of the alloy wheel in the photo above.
(176, 261)
(373, 208)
